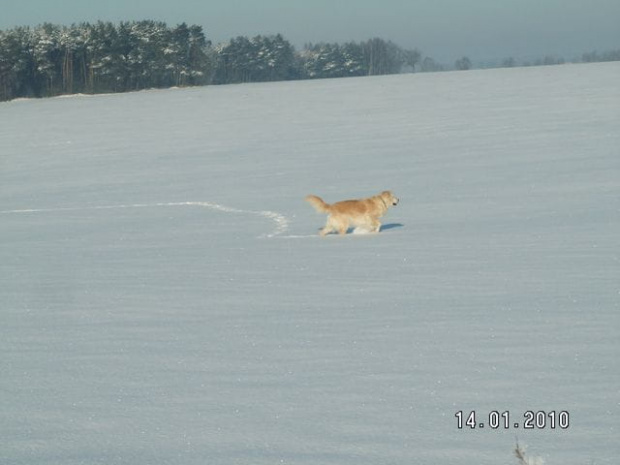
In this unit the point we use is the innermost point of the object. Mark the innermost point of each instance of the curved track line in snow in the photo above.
(281, 222)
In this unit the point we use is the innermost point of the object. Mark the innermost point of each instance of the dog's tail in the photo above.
(318, 203)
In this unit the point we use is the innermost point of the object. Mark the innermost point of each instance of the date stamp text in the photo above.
(529, 420)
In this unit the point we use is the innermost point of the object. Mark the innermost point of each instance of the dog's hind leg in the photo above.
(342, 226)
(335, 224)
(328, 228)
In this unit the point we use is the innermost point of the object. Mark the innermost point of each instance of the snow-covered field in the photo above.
(165, 298)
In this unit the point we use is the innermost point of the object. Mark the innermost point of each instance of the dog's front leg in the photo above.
(375, 225)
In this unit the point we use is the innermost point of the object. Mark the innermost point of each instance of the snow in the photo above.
(166, 298)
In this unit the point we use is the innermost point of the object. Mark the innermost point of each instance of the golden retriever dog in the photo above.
(362, 212)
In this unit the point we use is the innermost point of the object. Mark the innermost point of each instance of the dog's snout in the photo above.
(395, 201)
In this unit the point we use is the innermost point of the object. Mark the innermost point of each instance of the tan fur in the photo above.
(362, 212)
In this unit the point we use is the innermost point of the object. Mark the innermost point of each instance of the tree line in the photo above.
(101, 57)
(92, 58)
(465, 63)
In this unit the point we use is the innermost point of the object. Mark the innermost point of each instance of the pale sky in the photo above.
(442, 29)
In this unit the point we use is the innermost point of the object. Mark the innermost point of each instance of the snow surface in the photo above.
(165, 298)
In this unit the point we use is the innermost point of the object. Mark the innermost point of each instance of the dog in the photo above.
(362, 212)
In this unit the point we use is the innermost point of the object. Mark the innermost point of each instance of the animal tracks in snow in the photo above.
(280, 222)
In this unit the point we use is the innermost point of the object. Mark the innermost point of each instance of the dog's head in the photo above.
(389, 198)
